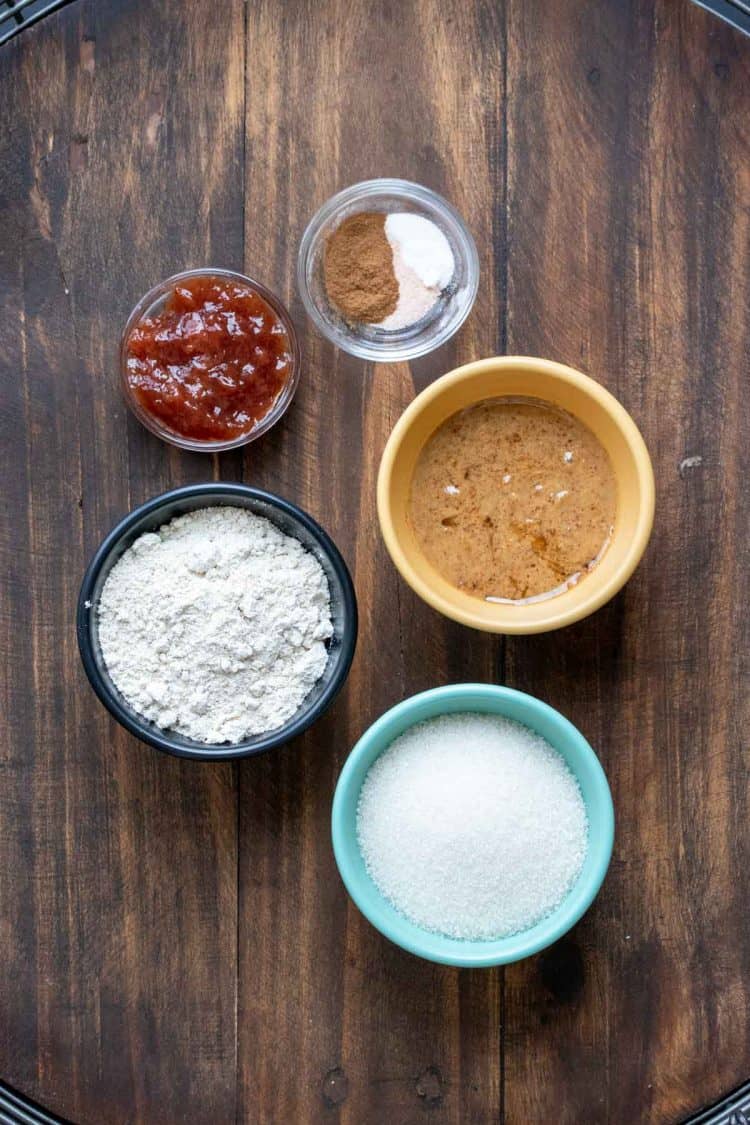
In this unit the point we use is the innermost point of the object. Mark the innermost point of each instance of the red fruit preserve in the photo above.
(211, 364)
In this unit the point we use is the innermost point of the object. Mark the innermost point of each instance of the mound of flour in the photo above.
(215, 625)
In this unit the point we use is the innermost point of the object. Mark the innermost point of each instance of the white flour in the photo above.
(215, 625)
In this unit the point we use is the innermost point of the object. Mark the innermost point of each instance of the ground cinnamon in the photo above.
(358, 268)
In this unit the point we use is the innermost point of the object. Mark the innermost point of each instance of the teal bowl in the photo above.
(492, 700)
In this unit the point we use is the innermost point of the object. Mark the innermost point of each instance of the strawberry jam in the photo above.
(211, 364)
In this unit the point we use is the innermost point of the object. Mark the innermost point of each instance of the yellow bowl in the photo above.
(580, 396)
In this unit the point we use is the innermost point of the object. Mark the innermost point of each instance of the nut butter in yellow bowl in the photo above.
(516, 495)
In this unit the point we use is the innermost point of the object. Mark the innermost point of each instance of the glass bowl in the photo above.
(368, 341)
(151, 304)
(288, 518)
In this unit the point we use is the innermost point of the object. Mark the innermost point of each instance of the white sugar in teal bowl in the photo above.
(472, 825)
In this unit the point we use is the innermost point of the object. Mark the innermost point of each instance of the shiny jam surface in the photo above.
(210, 365)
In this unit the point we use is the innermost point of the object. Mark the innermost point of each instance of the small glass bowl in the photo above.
(151, 304)
(368, 341)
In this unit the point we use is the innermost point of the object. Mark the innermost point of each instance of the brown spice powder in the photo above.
(358, 268)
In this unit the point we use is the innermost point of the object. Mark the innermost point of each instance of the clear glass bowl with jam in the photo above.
(209, 360)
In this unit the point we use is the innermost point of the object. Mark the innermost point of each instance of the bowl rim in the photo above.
(150, 734)
(554, 619)
(361, 191)
(475, 954)
(282, 402)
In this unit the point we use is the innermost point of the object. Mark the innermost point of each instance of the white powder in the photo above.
(414, 298)
(423, 263)
(424, 248)
(215, 625)
(472, 826)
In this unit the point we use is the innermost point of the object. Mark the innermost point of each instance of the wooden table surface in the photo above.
(176, 943)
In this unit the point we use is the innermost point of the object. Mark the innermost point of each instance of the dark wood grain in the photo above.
(628, 223)
(176, 943)
(334, 1022)
(118, 868)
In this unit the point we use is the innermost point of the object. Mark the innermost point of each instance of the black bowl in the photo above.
(289, 519)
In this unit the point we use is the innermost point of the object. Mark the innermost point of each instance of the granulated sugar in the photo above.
(472, 826)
